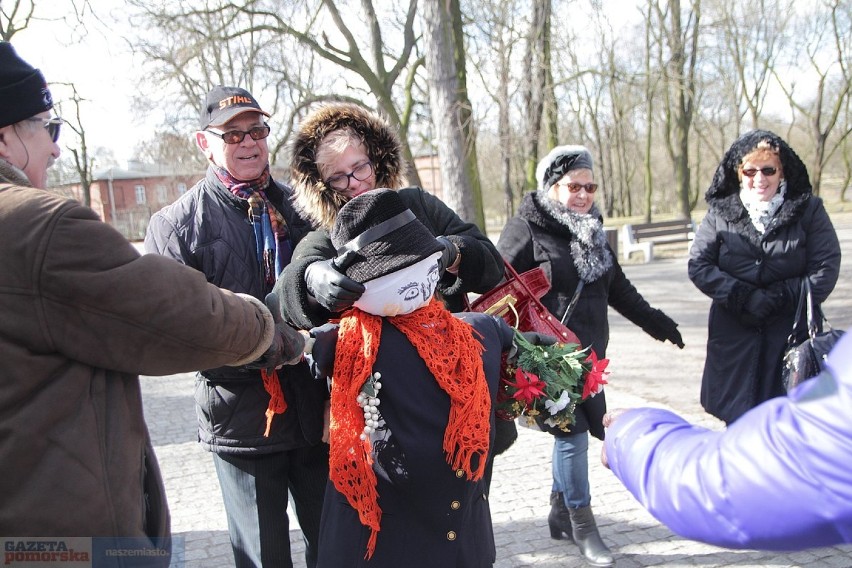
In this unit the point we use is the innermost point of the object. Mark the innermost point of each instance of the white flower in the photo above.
(554, 406)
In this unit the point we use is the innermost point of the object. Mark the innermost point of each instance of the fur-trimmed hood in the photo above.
(318, 202)
(724, 190)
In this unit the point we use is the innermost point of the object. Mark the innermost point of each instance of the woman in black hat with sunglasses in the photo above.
(559, 228)
(764, 231)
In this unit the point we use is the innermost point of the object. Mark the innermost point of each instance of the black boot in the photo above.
(588, 538)
(559, 518)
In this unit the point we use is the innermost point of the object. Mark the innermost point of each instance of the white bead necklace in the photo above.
(368, 400)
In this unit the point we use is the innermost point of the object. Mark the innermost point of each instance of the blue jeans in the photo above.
(571, 469)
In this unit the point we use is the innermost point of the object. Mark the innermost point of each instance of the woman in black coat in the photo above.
(559, 228)
(764, 231)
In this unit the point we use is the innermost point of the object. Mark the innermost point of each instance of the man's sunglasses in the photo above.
(237, 136)
(575, 187)
(767, 171)
(52, 125)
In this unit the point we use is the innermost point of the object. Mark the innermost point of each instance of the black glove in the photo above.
(538, 338)
(286, 349)
(760, 305)
(663, 328)
(449, 255)
(331, 288)
(781, 297)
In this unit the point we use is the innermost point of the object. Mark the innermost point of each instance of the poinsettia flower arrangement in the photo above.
(549, 381)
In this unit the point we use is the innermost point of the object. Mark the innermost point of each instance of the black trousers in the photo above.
(255, 492)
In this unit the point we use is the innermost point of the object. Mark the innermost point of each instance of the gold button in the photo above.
(459, 473)
(455, 505)
(451, 535)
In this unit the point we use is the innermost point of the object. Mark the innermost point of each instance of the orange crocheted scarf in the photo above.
(453, 356)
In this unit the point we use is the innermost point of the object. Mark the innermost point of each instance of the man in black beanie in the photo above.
(28, 134)
(83, 315)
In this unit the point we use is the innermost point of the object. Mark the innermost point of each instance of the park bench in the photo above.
(643, 236)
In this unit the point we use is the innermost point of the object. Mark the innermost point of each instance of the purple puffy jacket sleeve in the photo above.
(779, 478)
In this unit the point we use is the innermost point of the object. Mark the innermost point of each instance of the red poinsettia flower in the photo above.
(529, 386)
(594, 376)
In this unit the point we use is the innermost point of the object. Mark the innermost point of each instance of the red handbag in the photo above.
(517, 300)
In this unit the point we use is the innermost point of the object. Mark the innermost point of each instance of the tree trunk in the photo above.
(448, 114)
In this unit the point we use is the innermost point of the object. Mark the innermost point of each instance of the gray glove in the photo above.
(330, 287)
(286, 349)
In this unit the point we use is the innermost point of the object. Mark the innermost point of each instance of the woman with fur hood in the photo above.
(340, 151)
(764, 231)
(560, 229)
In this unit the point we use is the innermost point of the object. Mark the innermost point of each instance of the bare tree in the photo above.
(828, 30)
(679, 31)
(451, 112)
(535, 82)
(83, 162)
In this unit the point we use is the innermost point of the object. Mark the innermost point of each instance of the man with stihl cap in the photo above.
(237, 226)
(83, 315)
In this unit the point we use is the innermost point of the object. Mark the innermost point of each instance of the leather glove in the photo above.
(330, 287)
(286, 349)
(449, 256)
(663, 328)
(538, 338)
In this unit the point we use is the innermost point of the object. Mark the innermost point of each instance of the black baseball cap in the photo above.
(224, 103)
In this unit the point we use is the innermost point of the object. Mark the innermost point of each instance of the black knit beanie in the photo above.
(23, 90)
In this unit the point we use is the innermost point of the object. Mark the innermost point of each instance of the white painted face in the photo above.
(403, 291)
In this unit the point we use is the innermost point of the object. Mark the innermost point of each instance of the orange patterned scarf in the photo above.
(452, 354)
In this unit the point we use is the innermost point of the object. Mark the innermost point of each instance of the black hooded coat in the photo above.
(730, 259)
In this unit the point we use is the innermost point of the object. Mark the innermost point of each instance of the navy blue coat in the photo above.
(431, 514)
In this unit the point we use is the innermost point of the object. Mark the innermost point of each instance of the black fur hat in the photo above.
(376, 234)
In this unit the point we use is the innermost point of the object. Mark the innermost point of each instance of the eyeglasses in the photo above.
(237, 136)
(341, 182)
(52, 125)
(575, 187)
(767, 171)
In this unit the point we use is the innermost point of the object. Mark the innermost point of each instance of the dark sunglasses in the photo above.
(52, 125)
(575, 187)
(237, 136)
(767, 171)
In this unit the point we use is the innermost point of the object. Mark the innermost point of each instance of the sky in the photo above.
(101, 68)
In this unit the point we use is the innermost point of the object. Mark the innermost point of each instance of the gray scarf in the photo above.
(589, 250)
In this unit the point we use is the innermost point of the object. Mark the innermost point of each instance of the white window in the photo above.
(181, 188)
(162, 193)
(140, 195)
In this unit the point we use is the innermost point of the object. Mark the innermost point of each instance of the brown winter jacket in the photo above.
(82, 315)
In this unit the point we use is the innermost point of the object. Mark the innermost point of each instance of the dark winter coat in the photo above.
(481, 267)
(535, 237)
(480, 270)
(730, 258)
(83, 315)
(207, 228)
(432, 515)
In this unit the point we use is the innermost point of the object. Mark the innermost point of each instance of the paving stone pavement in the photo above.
(643, 372)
